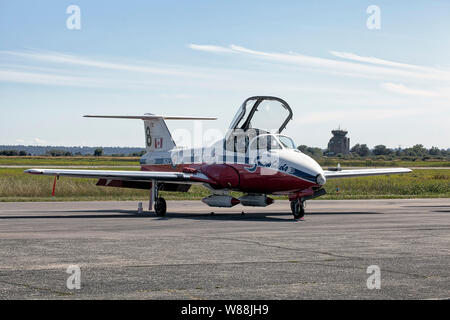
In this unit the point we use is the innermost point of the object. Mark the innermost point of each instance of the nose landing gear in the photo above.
(298, 208)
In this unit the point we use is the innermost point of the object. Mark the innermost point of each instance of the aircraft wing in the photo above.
(363, 172)
(125, 175)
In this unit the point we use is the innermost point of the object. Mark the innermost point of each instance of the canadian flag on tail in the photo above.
(158, 143)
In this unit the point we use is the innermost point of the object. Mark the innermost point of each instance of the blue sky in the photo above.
(386, 86)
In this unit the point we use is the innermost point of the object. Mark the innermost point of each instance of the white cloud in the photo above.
(378, 61)
(382, 68)
(210, 48)
(126, 76)
(76, 60)
(59, 71)
(400, 88)
(47, 79)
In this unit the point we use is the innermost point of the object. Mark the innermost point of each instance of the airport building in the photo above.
(339, 143)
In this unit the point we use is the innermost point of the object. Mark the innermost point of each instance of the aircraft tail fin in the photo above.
(157, 135)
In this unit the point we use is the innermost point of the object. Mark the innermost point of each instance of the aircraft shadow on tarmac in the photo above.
(108, 214)
(427, 206)
(443, 207)
(252, 216)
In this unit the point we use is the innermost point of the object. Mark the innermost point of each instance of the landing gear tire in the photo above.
(160, 207)
(298, 208)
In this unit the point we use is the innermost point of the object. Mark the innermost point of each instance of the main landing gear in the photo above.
(159, 202)
(160, 207)
(298, 208)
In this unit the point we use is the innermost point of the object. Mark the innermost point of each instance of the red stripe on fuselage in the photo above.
(266, 181)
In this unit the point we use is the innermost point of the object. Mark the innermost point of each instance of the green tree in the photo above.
(98, 152)
(419, 150)
(312, 151)
(434, 151)
(9, 153)
(56, 153)
(381, 150)
(302, 148)
(360, 149)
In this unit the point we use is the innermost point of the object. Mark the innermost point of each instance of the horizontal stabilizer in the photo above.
(151, 117)
(363, 172)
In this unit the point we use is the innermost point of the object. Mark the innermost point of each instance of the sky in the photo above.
(385, 78)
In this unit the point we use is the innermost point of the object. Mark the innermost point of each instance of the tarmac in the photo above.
(261, 254)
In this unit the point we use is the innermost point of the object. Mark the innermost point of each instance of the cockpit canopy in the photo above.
(269, 114)
(271, 142)
(260, 116)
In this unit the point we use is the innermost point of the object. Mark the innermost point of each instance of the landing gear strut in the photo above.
(298, 208)
(159, 202)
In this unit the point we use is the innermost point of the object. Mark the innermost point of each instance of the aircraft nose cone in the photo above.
(306, 167)
(320, 179)
(310, 166)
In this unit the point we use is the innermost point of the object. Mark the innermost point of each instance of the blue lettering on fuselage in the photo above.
(252, 169)
(283, 167)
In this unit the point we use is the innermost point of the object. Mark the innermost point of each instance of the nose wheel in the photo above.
(298, 208)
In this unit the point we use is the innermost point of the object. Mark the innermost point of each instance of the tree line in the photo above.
(358, 150)
(98, 152)
(363, 151)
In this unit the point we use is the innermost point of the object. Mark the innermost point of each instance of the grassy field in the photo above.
(382, 163)
(424, 183)
(134, 161)
(69, 161)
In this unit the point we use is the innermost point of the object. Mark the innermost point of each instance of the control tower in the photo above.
(339, 143)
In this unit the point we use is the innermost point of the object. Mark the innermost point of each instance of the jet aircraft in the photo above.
(254, 158)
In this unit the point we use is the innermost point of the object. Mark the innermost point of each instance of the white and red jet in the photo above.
(253, 158)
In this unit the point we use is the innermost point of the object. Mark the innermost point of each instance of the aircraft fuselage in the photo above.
(280, 171)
